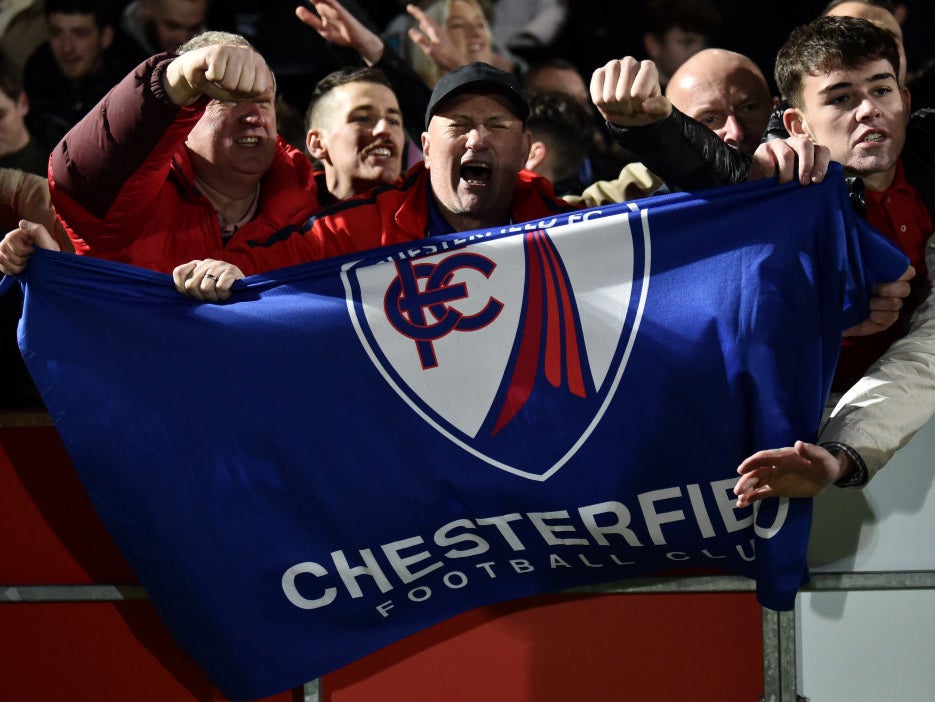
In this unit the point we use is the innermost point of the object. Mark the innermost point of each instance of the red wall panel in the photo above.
(51, 532)
(557, 648)
(96, 652)
(82, 652)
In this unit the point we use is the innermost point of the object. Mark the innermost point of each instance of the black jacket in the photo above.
(684, 153)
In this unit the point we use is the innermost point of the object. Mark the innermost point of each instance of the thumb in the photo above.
(657, 106)
(181, 276)
(39, 235)
(809, 452)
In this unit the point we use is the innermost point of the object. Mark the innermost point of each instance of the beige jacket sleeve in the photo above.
(896, 397)
(635, 181)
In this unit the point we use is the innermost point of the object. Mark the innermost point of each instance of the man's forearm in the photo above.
(684, 153)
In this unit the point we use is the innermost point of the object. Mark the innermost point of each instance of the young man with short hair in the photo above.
(562, 134)
(840, 76)
(355, 131)
(74, 69)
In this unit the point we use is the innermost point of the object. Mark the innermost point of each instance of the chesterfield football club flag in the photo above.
(349, 451)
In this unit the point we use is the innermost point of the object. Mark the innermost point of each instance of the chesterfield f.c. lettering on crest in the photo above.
(554, 331)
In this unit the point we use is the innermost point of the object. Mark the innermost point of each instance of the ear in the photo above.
(907, 101)
(107, 37)
(537, 154)
(795, 123)
(23, 103)
(316, 145)
(425, 148)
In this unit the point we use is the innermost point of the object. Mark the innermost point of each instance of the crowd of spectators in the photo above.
(70, 52)
(713, 59)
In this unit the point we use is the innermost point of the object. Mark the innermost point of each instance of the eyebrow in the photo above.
(485, 118)
(720, 105)
(844, 84)
(373, 108)
(706, 109)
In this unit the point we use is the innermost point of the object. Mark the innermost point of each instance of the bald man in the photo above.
(726, 92)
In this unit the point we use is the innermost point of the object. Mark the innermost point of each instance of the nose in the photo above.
(477, 137)
(253, 114)
(733, 132)
(866, 109)
(382, 126)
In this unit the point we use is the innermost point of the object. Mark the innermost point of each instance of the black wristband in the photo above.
(860, 476)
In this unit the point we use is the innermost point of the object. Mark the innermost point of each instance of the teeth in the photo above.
(873, 137)
(381, 152)
(248, 141)
(476, 173)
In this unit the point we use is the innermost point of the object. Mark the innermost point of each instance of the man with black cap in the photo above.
(475, 146)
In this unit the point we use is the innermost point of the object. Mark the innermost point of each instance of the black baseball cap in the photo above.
(477, 78)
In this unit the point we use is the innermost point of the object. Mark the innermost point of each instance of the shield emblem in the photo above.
(513, 347)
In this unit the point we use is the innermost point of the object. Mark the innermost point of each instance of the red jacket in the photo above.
(390, 214)
(122, 182)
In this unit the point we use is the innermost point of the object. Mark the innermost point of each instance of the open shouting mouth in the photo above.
(475, 173)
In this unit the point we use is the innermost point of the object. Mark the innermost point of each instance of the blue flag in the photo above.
(350, 451)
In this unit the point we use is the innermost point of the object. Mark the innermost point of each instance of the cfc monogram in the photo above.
(425, 315)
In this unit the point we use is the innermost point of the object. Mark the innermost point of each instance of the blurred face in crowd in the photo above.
(560, 80)
(13, 133)
(356, 131)
(727, 93)
(77, 43)
(234, 142)
(173, 22)
(474, 148)
(673, 48)
(882, 19)
(860, 114)
(468, 30)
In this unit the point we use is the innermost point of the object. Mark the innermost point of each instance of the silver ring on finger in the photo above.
(210, 276)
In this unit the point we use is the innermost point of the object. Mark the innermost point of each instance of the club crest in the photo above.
(497, 343)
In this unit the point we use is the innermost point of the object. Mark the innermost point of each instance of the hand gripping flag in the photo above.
(349, 451)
